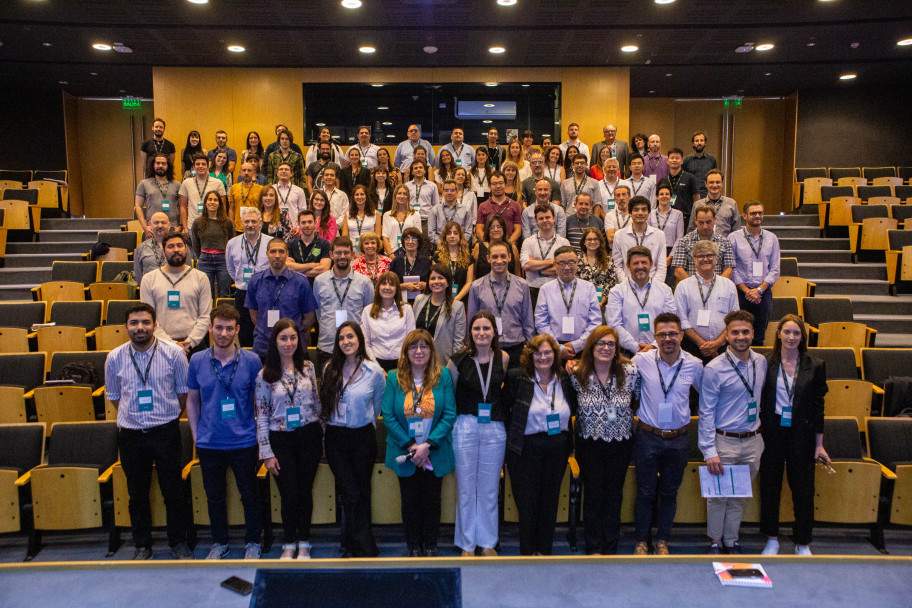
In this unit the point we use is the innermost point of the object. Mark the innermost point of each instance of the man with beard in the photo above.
(756, 268)
(537, 163)
(150, 254)
(367, 149)
(314, 172)
(246, 255)
(157, 145)
(728, 219)
(656, 164)
(335, 153)
(578, 183)
(405, 151)
(245, 193)
(463, 154)
(158, 193)
(699, 163)
(221, 145)
(182, 297)
(309, 252)
(682, 253)
(146, 381)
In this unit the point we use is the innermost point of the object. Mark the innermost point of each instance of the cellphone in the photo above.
(238, 585)
(745, 573)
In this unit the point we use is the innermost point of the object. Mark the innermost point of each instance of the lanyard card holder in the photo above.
(643, 321)
(144, 401)
(484, 413)
(553, 422)
(752, 411)
(293, 418)
(415, 427)
(228, 409)
(786, 419)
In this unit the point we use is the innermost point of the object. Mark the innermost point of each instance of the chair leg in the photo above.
(114, 540)
(34, 545)
(573, 512)
(266, 510)
(877, 538)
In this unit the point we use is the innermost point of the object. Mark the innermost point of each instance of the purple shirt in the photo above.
(748, 249)
(655, 166)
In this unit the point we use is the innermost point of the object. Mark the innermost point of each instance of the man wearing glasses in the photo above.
(405, 151)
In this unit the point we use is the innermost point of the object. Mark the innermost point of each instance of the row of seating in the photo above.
(25, 176)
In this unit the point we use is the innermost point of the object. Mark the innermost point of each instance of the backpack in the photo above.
(128, 277)
(80, 372)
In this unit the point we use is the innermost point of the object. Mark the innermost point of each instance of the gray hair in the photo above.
(704, 247)
(251, 211)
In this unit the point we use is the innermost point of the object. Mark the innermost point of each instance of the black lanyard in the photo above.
(579, 185)
(708, 293)
(617, 219)
(605, 389)
(142, 378)
(572, 294)
(553, 392)
(164, 193)
(245, 196)
(454, 208)
(427, 312)
(789, 391)
(636, 190)
(345, 294)
(181, 278)
(405, 264)
(416, 398)
(633, 289)
(252, 257)
(673, 378)
(751, 245)
(218, 376)
(610, 191)
(203, 190)
(350, 380)
(674, 179)
(544, 253)
(284, 201)
(659, 223)
(499, 305)
(749, 387)
(637, 238)
(277, 294)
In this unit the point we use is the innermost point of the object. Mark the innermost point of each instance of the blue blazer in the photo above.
(439, 435)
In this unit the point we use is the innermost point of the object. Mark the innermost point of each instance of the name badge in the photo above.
(399, 242)
(144, 400)
(758, 269)
(199, 207)
(285, 210)
(567, 325)
(484, 413)
(455, 289)
(499, 322)
(611, 412)
(341, 317)
(702, 318)
(665, 411)
(357, 240)
(248, 273)
(228, 411)
(174, 299)
(786, 419)
(292, 417)
(416, 205)
(674, 197)
(272, 317)
(364, 162)
(643, 321)
(553, 422)
(610, 204)
(458, 162)
(415, 427)
(166, 205)
(752, 411)
(599, 292)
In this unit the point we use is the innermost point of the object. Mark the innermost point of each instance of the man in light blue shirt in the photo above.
(463, 154)
(451, 210)
(756, 267)
(543, 197)
(405, 151)
(246, 255)
(423, 195)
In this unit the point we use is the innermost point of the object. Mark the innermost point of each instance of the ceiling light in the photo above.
(377, 85)
(767, 73)
(198, 1)
(93, 73)
(668, 74)
(763, 47)
(497, 50)
(321, 124)
(524, 86)
(848, 77)
(809, 44)
(236, 48)
(367, 49)
(489, 105)
(430, 50)
(905, 42)
(101, 47)
(351, 3)
(664, 1)
(747, 47)
(62, 82)
(630, 48)
(506, 2)
(546, 135)
(387, 124)
(383, 107)
(651, 92)
(490, 84)
(46, 44)
(391, 136)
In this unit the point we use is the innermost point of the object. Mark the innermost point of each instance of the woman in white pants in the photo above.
(479, 436)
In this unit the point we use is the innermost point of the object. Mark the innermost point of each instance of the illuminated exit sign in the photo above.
(131, 103)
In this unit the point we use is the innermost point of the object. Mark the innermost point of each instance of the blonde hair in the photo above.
(464, 257)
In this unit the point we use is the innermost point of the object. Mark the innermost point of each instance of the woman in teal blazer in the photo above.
(419, 409)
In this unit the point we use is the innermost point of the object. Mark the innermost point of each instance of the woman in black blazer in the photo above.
(542, 401)
(791, 416)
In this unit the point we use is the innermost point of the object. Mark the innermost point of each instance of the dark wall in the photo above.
(854, 128)
(32, 136)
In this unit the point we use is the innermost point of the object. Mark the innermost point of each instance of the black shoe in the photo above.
(714, 549)
(181, 551)
(142, 553)
(431, 551)
(735, 549)
(415, 553)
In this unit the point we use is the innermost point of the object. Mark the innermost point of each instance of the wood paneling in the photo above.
(74, 164)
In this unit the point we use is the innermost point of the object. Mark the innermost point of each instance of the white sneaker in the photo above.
(252, 551)
(288, 551)
(218, 551)
(304, 548)
(802, 550)
(771, 548)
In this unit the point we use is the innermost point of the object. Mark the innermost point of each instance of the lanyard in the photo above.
(572, 293)
(674, 179)
(245, 196)
(158, 252)
(350, 380)
(284, 201)
(499, 208)
(158, 145)
(545, 393)
(405, 263)
(633, 289)
(659, 223)
(360, 222)
(499, 305)
(144, 378)
(252, 257)
(345, 294)
(427, 312)
(275, 298)
(485, 383)
(416, 398)
(551, 171)
(638, 238)
(544, 254)
(605, 389)
(483, 178)
(293, 390)
(579, 185)
(330, 196)
(617, 219)
(454, 208)
(749, 387)
(203, 189)
(751, 245)
(708, 293)
(453, 267)
(372, 275)
(418, 191)
(174, 283)
(164, 193)
(609, 189)
(218, 376)
(673, 378)
(789, 391)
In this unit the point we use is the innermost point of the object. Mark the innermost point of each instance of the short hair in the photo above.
(287, 132)
(343, 241)
(366, 236)
(161, 120)
(638, 201)
(525, 134)
(581, 156)
(705, 209)
(414, 233)
(497, 174)
(284, 164)
(526, 361)
(542, 209)
(275, 241)
(422, 163)
(586, 194)
(364, 127)
(136, 307)
(457, 127)
(703, 247)
(664, 185)
(450, 180)
(325, 169)
(171, 237)
(715, 172)
(304, 212)
(739, 315)
(676, 151)
(622, 187)
(225, 312)
(200, 156)
(498, 243)
(322, 143)
(638, 250)
(573, 124)
(220, 131)
(251, 211)
(694, 136)
(634, 157)
(666, 317)
(750, 204)
(564, 249)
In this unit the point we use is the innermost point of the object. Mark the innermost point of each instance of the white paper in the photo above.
(567, 326)
(272, 317)
(703, 318)
(734, 482)
(758, 269)
(341, 317)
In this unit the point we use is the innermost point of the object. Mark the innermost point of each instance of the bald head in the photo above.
(160, 225)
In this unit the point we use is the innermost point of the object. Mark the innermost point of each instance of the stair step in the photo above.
(48, 247)
(887, 323)
(790, 219)
(882, 305)
(808, 210)
(15, 292)
(56, 236)
(814, 271)
(893, 340)
(79, 223)
(809, 256)
(851, 287)
(25, 276)
(22, 260)
(814, 243)
(794, 232)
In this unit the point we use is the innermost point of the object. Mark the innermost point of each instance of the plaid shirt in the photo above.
(682, 254)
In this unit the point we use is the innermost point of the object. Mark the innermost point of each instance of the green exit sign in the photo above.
(733, 103)
(131, 103)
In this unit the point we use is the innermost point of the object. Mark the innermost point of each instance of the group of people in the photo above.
(480, 330)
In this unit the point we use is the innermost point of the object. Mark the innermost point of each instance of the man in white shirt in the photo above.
(338, 200)
(246, 255)
(423, 194)
(543, 197)
(567, 307)
(367, 149)
(639, 232)
(193, 191)
(463, 154)
(450, 211)
(291, 198)
(537, 255)
(573, 140)
(606, 186)
(639, 184)
(579, 183)
(405, 151)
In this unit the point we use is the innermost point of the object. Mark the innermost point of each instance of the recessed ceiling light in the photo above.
(767, 73)
(809, 44)
(487, 122)
(668, 74)
(236, 48)
(46, 44)
(430, 49)
(489, 105)
(198, 1)
(391, 136)
(62, 82)
(490, 84)
(546, 135)
(93, 73)
(630, 48)
(383, 107)
(101, 47)
(664, 1)
(351, 3)
(387, 124)
(377, 85)
(497, 50)
(506, 2)
(525, 86)
(367, 49)
(763, 47)
(321, 124)
(848, 77)
(854, 45)
(905, 42)
(651, 92)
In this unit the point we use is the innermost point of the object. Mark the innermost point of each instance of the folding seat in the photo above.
(837, 173)
(122, 239)
(23, 314)
(878, 364)
(840, 362)
(788, 266)
(851, 496)
(889, 442)
(21, 450)
(873, 173)
(14, 340)
(793, 287)
(79, 402)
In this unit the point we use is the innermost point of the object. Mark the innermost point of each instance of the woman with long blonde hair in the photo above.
(453, 251)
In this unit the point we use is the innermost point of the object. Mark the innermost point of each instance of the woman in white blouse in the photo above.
(665, 218)
(289, 431)
(397, 219)
(362, 216)
(604, 382)
(386, 322)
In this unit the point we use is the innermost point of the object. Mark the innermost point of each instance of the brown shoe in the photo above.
(468, 554)
(641, 549)
(488, 552)
(661, 547)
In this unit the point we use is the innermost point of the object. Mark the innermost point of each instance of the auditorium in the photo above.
(455, 302)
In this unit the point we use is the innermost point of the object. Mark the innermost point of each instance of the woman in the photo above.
(286, 155)
(595, 264)
(607, 184)
(386, 322)
(554, 164)
(571, 153)
(546, 143)
(275, 220)
(362, 216)
(327, 227)
(638, 144)
(411, 263)
(218, 168)
(370, 263)
(668, 220)
(515, 156)
(439, 314)
(541, 399)
(192, 148)
(596, 170)
(465, 190)
(527, 148)
(350, 398)
(512, 182)
(210, 234)
(381, 191)
(453, 251)
(397, 220)
(355, 174)
(495, 229)
(604, 380)
(481, 174)
(419, 410)
(289, 431)
(445, 169)
(479, 435)
(383, 161)
(791, 416)
(254, 147)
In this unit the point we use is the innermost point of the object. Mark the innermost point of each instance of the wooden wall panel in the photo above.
(758, 149)
(74, 164)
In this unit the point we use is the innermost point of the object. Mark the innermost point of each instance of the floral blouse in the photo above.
(272, 400)
(604, 279)
(372, 271)
(593, 416)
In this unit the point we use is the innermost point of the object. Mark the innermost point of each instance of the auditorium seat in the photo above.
(802, 174)
(49, 195)
(905, 173)
(111, 290)
(850, 398)
(71, 402)
(878, 364)
(835, 202)
(61, 175)
(851, 496)
(873, 173)
(12, 405)
(21, 450)
(840, 362)
(59, 291)
(86, 315)
(13, 340)
(116, 313)
(903, 193)
(110, 269)
(852, 182)
(827, 309)
(867, 192)
(868, 230)
(889, 442)
(793, 287)
(60, 338)
(892, 182)
(21, 222)
(810, 189)
(837, 173)
(29, 195)
(899, 256)
(23, 314)
(124, 240)
(23, 370)
(21, 177)
(108, 337)
(788, 266)
(10, 184)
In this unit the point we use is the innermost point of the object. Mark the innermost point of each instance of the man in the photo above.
(634, 304)
(158, 193)
(639, 233)
(619, 148)
(727, 218)
(246, 255)
(221, 145)
(684, 186)
(314, 172)
(640, 184)
(756, 267)
(463, 154)
(146, 382)
(537, 164)
(338, 200)
(291, 198)
(341, 295)
(222, 415)
(543, 197)
(194, 189)
(699, 163)
(405, 151)
(157, 145)
(681, 255)
(606, 187)
(335, 151)
(581, 220)
(537, 254)
(507, 297)
(366, 148)
(573, 140)
(245, 193)
(567, 307)
(421, 156)
(275, 145)
(278, 293)
(150, 254)
(618, 217)
(500, 204)
(450, 211)
(656, 164)
(422, 193)
(578, 183)
(309, 252)
(181, 295)
(730, 425)
(496, 152)
(661, 445)
(702, 301)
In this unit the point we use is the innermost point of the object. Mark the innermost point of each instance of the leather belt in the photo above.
(737, 435)
(665, 434)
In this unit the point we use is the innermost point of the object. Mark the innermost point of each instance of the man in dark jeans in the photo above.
(222, 415)
(146, 380)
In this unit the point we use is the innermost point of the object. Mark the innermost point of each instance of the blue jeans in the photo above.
(660, 467)
(213, 266)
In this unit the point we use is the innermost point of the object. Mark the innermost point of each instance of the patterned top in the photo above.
(273, 399)
(592, 416)
(682, 254)
(602, 279)
(372, 271)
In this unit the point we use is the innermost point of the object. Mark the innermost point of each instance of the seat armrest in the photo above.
(90, 334)
(36, 294)
(884, 470)
(186, 472)
(574, 466)
(29, 395)
(99, 393)
(26, 477)
(263, 472)
(106, 476)
(877, 390)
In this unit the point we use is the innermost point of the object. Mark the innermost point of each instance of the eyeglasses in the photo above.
(706, 256)
(567, 264)
(541, 354)
(537, 162)
(418, 346)
(605, 344)
(671, 335)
